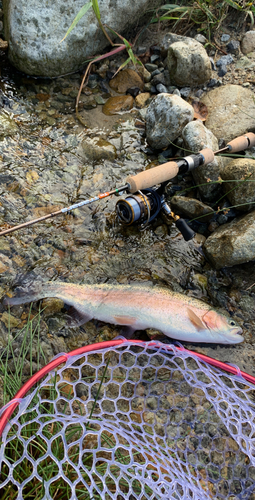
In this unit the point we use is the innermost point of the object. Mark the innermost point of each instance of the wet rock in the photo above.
(188, 63)
(126, 79)
(240, 192)
(87, 102)
(34, 32)
(116, 104)
(232, 243)
(9, 320)
(248, 42)
(52, 306)
(166, 116)
(7, 126)
(98, 149)
(231, 111)
(142, 99)
(191, 208)
(197, 137)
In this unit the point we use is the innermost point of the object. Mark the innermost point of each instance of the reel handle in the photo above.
(167, 171)
(152, 177)
(241, 143)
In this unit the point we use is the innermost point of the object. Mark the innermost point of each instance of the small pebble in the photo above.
(133, 91)
(225, 38)
(155, 49)
(213, 226)
(140, 50)
(223, 70)
(212, 64)
(213, 82)
(233, 47)
(151, 67)
(200, 38)
(154, 58)
(199, 93)
(222, 219)
(185, 92)
(154, 73)
(225, 60)
(161, 88)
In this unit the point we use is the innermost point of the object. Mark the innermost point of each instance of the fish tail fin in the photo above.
(32, 293)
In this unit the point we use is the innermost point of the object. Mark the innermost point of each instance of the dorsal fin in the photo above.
(195, 320)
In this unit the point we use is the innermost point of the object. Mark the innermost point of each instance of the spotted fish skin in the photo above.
(177, 316)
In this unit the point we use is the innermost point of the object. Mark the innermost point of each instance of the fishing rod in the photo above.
(145, 201)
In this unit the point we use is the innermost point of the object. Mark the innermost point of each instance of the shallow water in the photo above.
(49, 165)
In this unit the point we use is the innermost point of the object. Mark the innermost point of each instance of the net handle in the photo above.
(13, 403)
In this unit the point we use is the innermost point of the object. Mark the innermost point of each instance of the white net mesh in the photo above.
(133, 422)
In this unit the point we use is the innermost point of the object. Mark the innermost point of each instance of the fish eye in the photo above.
(232, 322)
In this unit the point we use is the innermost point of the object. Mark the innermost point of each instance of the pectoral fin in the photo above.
(125, 320)
(195, 320)
(77, 318)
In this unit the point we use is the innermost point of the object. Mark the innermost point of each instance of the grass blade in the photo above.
(80, 14)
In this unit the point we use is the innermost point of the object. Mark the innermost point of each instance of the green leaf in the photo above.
(96, 9)
(81, 13)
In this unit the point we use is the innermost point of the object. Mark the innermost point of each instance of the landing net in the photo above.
(137, 421)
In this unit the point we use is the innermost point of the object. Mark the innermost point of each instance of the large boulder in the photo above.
(232, 243)
(231, 111)
(34, 29)
(239, 188)
(166, 116)
(188, 63)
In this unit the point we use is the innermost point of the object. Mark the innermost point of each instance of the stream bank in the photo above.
(48, 160)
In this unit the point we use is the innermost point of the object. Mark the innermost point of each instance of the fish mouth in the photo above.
(235, 336)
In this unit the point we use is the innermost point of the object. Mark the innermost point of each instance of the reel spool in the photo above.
(141, 207)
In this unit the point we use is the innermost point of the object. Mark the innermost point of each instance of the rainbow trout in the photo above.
(137, 307)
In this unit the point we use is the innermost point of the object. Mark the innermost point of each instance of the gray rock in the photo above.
(231, 111)
(233, 47)
(200, 38)
(185, 92)
(151, 67)
(224, 38)
(232, 243)
(242, 191)
(169, 39)
(97, 149)
(157, 79)
(161, 88)
(188, 63)
(34, 30)
(248, 42)
(225, 60)
(192, 208)
(166, 116)
(223, 70)
(197, 137)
